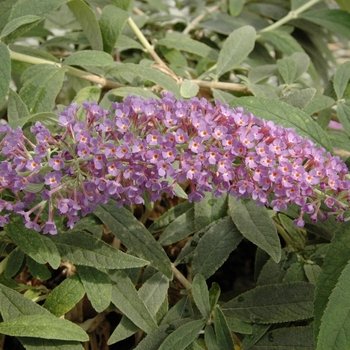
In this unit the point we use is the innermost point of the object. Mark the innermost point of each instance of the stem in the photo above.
(196, 20)
(285, 235)
(221, 85)
(145, 42)
(70, 70)
(290, 16)
(181, 278)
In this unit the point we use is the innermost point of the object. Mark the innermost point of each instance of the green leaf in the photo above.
(146, 73)
(156, 338)
(18, 22)
(180, 228)
(182, 310)
(223, 333)
(302, 61)
(300, 98)
(318, 103)
(169, 216)
(215, 246)
(39, 92)
(43, 326)
(38, 271)
(341, 79)
(255, 224)
(188, 89)
(258, 332)
(134, 236)
(210, 338)
(97, 286)
(344, 4)
(46, 118)
(209, 209)
(65, 296)
(256, 74)
(293, 338)
(284, 114)
(5, 72)
(335, 322)
(343, 109)
(201, 295)
(85, 16)
(83, 249)
(182, 42)
(183, 336)
(128, 301)
(88, 58)
(282, 41)
(337, 21)
(153, 292)
(236, 325)
(288, 69)
(29, 241)
(14, 263)
(17, 109)
(214, 294)
(235, 7)
(235, 49)
(111, 22)
(49, 344)
(312, 272)
(335, 261)
(273, 303)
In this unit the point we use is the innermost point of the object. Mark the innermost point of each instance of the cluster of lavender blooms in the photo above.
(145, 147)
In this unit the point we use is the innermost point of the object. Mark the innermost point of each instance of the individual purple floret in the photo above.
(145, 147)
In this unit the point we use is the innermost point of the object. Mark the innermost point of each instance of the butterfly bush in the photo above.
(143, 148)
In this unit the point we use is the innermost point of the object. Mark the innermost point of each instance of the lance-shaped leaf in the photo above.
(335, 323)
(40, 91)
(134, 236)
(284, 114)
(86, 17)
(273, 303)
(335, 261)
(341, 79)
(127, 300)
(32, 243)
(293, 338)
(97, 285)
(235, 49)
(153, 292)
(83, 249)
(43, 326)
(88, 58)
(18, 22)
(5, 72)
(215, 246)
(183, 336)
(201, 295)
(255, 224)
(16, 109)
(223, 333)
(111, 22)
(65, 296)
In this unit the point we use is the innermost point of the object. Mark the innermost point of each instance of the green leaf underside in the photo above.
(97, 286)
(17, 109)
(235, 49)
(201, 295)
(335, 262)
(83, 249)
(183, 336)
(49, 344)
(134, 236)
(223, 333)
(215, 246)
(182, 42)
(273, 303)
(32, 243)
(5, 72)
(255, 224)
(43, 326)
(283, 114)
(126, 298)
(88, 58)
(85, 16)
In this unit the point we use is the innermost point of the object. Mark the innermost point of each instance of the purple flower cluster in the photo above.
(145, 147)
